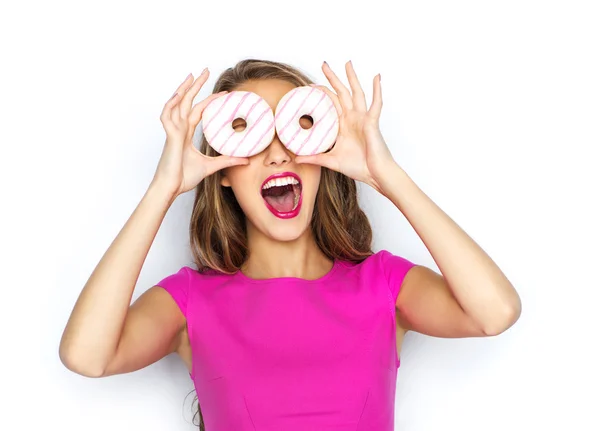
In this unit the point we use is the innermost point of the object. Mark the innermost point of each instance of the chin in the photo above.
(284, 236)
(286, 233)
(278, 229)
(283, 230)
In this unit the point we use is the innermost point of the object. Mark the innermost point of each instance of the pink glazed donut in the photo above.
(219, 115)
(315, 103)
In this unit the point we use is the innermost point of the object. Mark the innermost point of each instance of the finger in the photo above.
(375, 109)
(165, 116)
(181, 91)
(358, 95)
(221, 162)
(333, 96)
(192, 92)
(196, 114)
(341, 90)
(324, 159)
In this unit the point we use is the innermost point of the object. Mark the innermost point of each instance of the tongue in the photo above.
(283, 203)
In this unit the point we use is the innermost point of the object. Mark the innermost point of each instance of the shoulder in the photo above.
(390, 263)
(207, 277)
(389, 268)
(383, 261)
(185, 284)
(189, 276)
(382, 265)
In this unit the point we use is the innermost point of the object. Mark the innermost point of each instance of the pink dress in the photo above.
(288, 354)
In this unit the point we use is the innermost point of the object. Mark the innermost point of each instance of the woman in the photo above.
(290, 322)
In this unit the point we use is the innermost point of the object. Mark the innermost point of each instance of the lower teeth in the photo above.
(296, 199)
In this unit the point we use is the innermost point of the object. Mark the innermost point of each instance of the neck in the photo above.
(300, 258)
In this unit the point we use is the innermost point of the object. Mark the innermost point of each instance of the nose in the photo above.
(277, 154)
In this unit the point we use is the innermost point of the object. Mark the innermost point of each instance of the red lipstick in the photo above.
(279, 214)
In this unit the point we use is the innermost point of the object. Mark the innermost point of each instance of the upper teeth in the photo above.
(280, 182)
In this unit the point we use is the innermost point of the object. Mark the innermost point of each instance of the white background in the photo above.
(493, 108)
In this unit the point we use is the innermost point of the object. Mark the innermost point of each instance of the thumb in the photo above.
(322, 159)
(222, 161)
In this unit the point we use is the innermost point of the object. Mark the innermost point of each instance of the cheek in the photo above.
(313, 178)
(245, 190)
(237, 177)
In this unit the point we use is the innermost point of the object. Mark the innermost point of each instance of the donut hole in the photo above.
(306, 122)
(239, 124)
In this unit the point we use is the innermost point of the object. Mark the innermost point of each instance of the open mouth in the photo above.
(283, 194)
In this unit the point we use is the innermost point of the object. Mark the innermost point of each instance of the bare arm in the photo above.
(94, 330)
(104, 334)
(154, 327)
(473, 297)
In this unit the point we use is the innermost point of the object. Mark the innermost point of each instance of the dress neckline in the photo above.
(324, 277)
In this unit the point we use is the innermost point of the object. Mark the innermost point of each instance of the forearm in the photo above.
(94, 328)
(479, 286)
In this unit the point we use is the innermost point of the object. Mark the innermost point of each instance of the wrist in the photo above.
(391, 179)
(385, 170)
(162, 190)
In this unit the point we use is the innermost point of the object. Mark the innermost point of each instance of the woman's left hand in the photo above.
(360, 151)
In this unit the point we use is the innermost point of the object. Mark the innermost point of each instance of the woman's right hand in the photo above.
(182, 166)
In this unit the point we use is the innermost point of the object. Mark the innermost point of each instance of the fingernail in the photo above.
(173, 96)
(204, 71)
(380, 77)
(187, 77)
(325, 63)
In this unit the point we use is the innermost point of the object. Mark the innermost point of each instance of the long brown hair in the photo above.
(218, 225)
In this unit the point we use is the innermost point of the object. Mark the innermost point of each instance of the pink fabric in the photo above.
(292, 354)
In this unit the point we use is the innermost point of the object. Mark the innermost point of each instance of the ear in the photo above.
(224, 180)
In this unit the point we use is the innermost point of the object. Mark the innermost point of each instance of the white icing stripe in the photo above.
(307, 101)
(254, 137)
(264, 140)
(261, 123)
(293, 109)
(324, 143)
(221, 106)
(312, 130)
(232, 111)
(218, 119)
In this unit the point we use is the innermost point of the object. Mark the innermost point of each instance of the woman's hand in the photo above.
(360, 151)
(182, 166)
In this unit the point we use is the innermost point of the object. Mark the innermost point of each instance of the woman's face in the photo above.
(284, 210)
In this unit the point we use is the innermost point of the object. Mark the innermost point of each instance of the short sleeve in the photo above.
(395, 269)
(178, 286)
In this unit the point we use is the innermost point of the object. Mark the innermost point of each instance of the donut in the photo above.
(317, 104)
(219, 115)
